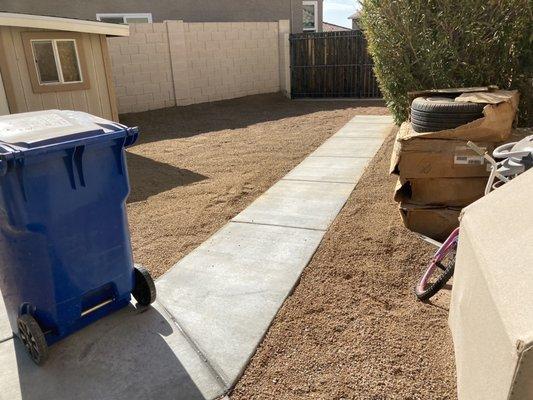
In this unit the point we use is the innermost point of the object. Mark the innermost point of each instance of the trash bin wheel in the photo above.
(32, 337)
(144, 291)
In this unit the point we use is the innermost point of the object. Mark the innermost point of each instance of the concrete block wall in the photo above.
(228, 60)
(141, 68)
(175, 63)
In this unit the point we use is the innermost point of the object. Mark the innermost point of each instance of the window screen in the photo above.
(43, 51)
(68, 60)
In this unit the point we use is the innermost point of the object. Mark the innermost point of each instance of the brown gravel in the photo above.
(352, 329)
(197, 167)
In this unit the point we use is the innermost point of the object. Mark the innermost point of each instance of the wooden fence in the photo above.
(331, 64)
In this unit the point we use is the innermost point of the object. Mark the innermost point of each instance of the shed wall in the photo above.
(96, 100)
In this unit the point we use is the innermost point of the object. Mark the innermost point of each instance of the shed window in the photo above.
(56, 61)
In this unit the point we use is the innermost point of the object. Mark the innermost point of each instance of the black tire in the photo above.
(432, 128)
(442, 118)
(431, 114)
(432, 289)
(144, 291)
(445, 105)
(33, 339)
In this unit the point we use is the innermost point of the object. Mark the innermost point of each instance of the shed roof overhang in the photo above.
(62, 24)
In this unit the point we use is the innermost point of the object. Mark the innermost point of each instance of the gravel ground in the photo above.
(352, 329)
(196, 167)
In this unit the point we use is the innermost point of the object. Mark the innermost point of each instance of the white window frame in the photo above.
(57, 60)
(125, 16)
(313, 3)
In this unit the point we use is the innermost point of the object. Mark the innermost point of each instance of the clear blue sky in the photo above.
(338, 11)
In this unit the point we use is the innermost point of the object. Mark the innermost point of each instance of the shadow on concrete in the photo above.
(181, 122)
(149, 177)
(129, 355)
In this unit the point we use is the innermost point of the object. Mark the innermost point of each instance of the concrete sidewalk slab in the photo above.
(127, 355)
(348, 147)
(356, 130)
(226, 293)
(299, 204)
(373, 119)
(328, 169)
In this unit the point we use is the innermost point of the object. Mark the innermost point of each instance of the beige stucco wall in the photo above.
(176, 63)
(161, 10)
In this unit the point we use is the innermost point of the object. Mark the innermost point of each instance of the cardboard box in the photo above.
(415, 156)
(432, 221)
(454, 192)
(491, 310)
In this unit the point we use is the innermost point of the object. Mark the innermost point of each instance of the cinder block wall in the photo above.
(142, 70)
(176, 63)
(228, 60)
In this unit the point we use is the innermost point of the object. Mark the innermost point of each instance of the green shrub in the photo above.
(426, 44)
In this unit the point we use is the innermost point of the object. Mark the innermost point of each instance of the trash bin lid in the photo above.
(40, 128)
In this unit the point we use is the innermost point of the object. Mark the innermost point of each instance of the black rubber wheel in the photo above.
(32, 337)
(446, 271)
(445, 105)
(417, 127)
(431, 114)
(144, 291)
(443, 119)
(440, 115)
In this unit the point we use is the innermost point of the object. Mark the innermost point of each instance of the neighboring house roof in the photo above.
(62, 24)
(355, 15)
(329, 27)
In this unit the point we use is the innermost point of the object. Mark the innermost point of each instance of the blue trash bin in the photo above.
(65, 251)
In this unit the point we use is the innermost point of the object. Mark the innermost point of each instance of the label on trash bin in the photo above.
(13, 127)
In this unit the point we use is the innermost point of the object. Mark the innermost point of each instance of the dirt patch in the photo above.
(196, 167)
(352, 329)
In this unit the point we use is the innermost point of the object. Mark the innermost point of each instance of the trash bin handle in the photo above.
(3, 165)
(5, 157)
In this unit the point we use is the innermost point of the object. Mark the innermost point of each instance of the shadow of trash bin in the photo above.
(132, 354)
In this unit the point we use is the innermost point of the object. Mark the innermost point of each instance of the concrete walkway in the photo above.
(215, 305)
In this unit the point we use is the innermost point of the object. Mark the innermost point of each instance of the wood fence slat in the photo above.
(332, 64)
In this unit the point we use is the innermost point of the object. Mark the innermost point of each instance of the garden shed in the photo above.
(56, 63)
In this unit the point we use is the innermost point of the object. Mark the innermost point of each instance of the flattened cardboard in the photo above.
(451, 91)
(495, 97)
(451, 192)
(417, 157)
(434, 222)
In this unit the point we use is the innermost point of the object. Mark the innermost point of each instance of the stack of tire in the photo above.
(431, 114)
(430, 204)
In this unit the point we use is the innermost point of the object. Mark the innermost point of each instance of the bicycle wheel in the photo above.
(438, 272)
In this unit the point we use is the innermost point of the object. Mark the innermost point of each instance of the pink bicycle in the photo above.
(517, 158)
